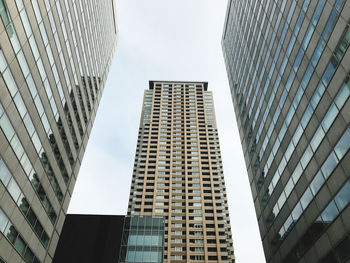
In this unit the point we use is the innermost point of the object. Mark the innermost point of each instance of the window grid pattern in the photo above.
(16, 240)
(178, 173)
(49, 88)
(288, 74)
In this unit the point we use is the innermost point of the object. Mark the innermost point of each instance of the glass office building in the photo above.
(178, 172)
(54, 60)
(142, 240)
(288, 69)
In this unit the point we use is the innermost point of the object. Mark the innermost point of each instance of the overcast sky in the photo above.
(163, 40)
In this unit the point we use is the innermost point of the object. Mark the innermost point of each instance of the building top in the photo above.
(151, 83)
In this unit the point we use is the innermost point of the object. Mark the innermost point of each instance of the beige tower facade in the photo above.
(178, 172)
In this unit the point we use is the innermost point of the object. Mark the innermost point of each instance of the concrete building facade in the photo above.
(288, 69)
(54, 61)
(178, 172)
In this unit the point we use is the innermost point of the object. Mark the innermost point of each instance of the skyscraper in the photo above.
(178, 172)
(288, 69)
(54, 60)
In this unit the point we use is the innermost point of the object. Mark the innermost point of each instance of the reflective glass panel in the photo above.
(5, 175)
(343, 145)
(342, 199)
(317, 182)
(329, 213)
(329, 165)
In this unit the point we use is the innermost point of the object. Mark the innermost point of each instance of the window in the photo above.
(343, 145)
(342, 199)
(329, 117)
(10, 82)
(5, 175)
(3, 221)
(329, 165)
(329, 213)
(6, 127)
(317, 182)
(306, 198)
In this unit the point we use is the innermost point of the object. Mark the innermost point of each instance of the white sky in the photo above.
(164, 40)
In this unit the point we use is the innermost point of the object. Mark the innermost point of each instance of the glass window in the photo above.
(26, 164)
(20, 245)
(306, 157)
(3, 221)
(155, 256)
(132, 240)
(297, 62)
(3, 63)
(289, 221)
(306, 198)
(41, 69)
(20, 105)
(14, 189)
(23, 205)
(297, 134)
(317, 12)
(3, 13)
(330, 117)
(317, 182)
(5, 174)
(130, 256)
(139, 240)
(281, 200)
(38, 105)
(329, 213)
(307, 116)
(148, 240)
(329, 165)
(28, 256)
(342, 199)
(308, 35)
(31, 85)
(6, 127)
(36, 142)
(282, 132)
(343, 44)
(10, 82)
(138, 256)
(328, 74)
(17, 147)
(342, 96)
(25, 21)
(317, 95)
(23, 63)
(297, 211)
(331, 21)
(29, 124)
(318, 52)
(34, 47)
(43, 33)
(297, 173)
(289, 187)
(317, 138)
(343, 145)
(11, 233)
(13, 38)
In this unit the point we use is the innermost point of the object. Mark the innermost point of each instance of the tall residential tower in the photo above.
(288, 68)
(54, 60)
(178, 172)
